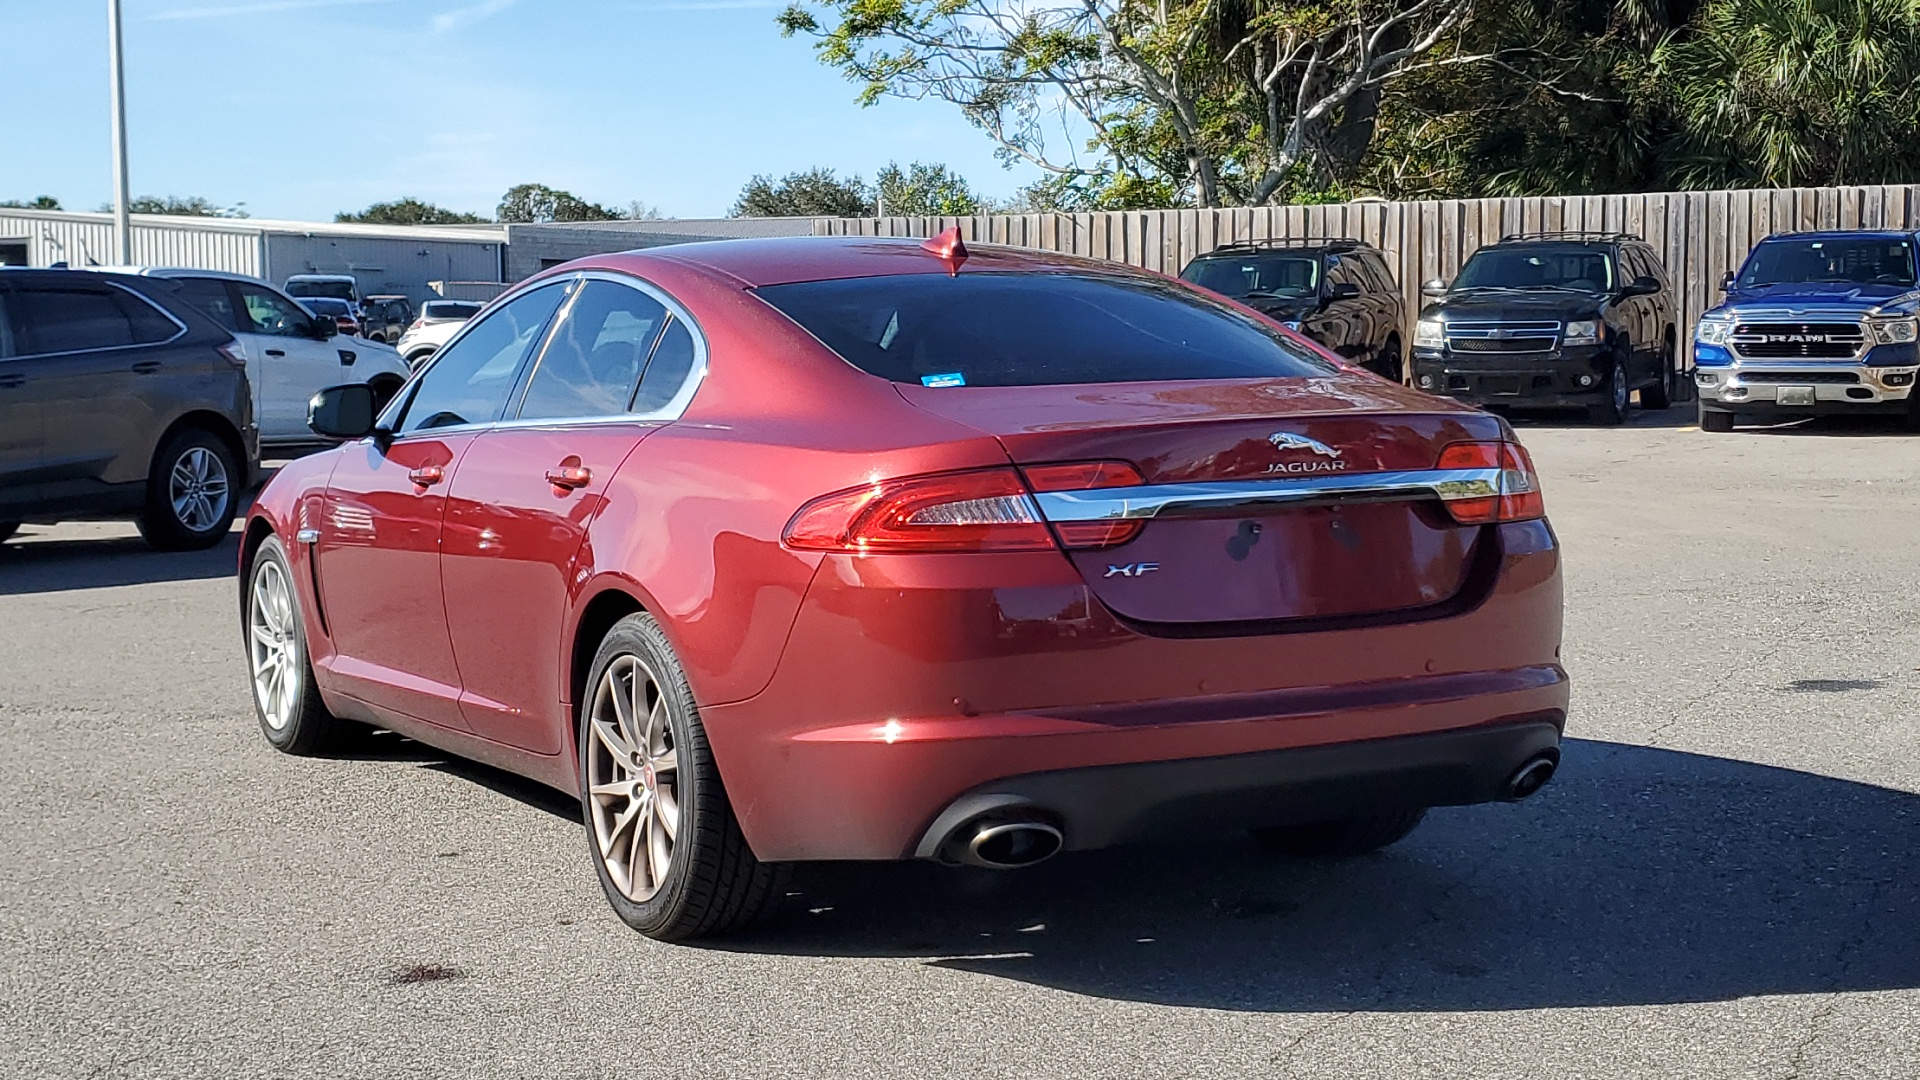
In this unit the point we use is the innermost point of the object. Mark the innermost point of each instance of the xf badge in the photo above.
(1134, 569)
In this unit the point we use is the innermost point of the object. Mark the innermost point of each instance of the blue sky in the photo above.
(301, 108)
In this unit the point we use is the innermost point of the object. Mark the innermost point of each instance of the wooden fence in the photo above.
(1701, 234)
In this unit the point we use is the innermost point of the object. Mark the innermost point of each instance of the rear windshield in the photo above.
(339, 290)
(1022, 329)
(324, 305)
(449, 309)
(1257, 277)
(1864, 260)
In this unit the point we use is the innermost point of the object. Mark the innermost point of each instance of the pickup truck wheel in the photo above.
(1613, 411)
(1660, 394)
(1715, 420)
(1340, 839)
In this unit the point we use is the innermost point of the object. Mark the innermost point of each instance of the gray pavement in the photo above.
(1723, 882)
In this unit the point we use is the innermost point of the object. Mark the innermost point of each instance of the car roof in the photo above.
(181, 272)
(1842, 234)
(323, 277)
(788, 259)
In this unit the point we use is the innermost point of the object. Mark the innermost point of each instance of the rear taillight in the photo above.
(231, 350)
(1086, 476)
(1518, 497)
(984, 510)
(417, 324)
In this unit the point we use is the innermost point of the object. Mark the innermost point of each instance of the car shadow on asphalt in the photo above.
(28, 565)
(1678, 416)
(1640, 876)
(382, 745)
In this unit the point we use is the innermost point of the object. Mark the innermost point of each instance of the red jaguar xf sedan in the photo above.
(778, 550)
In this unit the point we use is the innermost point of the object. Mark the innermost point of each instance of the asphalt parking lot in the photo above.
(1724, 881)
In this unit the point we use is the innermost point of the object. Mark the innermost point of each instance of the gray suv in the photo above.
(117, 398)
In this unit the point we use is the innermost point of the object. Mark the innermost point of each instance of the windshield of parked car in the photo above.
(1864, 260)
(1256, 275)
(339, 290)
(323, 305)
(449, 309)
(1581, 267)
(1037, 329)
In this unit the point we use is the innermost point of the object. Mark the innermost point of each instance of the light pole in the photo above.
(117, 85)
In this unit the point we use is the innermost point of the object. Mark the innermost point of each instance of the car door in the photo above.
(20, 430)
(290, 359)
(527, 491)
(102, 387)
(378, 548)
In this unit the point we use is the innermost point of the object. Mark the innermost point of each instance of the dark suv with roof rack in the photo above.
(1553, 320)
(1338, 292)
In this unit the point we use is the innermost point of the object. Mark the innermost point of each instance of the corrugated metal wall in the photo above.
(382, 265)
(82, 242)
(1701, 234)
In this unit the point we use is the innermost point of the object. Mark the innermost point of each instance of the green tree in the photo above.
(44, 202)
(540, 203)
(1786, 92)
(179, 206)
(924, 190)
(409, 211)
(816, 192)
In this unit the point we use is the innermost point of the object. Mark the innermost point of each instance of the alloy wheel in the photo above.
(633, 778)
(273, 645)
(197, 488)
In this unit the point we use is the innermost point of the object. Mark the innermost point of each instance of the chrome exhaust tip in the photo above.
(1531, 777)
(1009, 845)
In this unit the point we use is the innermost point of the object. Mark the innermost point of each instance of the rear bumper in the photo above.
(1166, 800)
(910, 682)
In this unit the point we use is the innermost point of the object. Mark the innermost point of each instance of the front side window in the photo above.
(1865, 260)
(1539, 266)
(61, 320)
(1257, 276)
(214, 299)
(275, 315)
(470, 380)
(594, 358)
(1037, 329)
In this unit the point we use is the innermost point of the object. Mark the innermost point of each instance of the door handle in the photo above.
(426, 475)
(276, 352)
(146, 367)
(569, 477)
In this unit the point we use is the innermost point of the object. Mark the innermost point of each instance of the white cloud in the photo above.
(467, 16)
(259, 7)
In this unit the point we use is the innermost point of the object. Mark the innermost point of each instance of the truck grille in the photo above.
(1798, 341)
(1503, 337)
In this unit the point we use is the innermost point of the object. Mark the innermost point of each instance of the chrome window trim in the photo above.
(180, 331)
(1151, 501)
(403, 400)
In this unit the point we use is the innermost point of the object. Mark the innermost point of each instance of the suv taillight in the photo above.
(1518, 497)
(978, 510)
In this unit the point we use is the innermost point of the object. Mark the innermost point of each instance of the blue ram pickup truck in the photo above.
(1814, 324)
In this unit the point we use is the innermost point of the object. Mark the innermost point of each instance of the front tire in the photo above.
(1340, 839)
(1613, 411)
(192, 491)
(285, 700)
(1715, 420)
(665, 843)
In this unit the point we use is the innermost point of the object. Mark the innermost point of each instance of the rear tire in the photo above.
(1389, 363)
(193, 489)
(1340, 839)
(1660, 395)
(1717, 421)
(662, 835)
(285, 700)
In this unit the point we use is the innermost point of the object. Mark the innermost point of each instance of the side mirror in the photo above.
(324, 328)
(1344, 290)
(1434, 288)
(1726, 281)
(1644, 285)
(342, 412)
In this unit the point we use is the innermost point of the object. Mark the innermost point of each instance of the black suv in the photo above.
(385, 318)
(119, 398)
(1553, 320)
(1337, 292)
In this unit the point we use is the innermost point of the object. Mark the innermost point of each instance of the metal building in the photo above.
(400, 260)
(533, 248)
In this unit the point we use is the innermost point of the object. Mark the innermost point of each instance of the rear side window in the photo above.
(594, 358)
(1014, 329)
(668, 370)
(212, 296)
(470, 380)
(75, 320)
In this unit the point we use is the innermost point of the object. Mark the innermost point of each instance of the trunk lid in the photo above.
(1194, 566)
